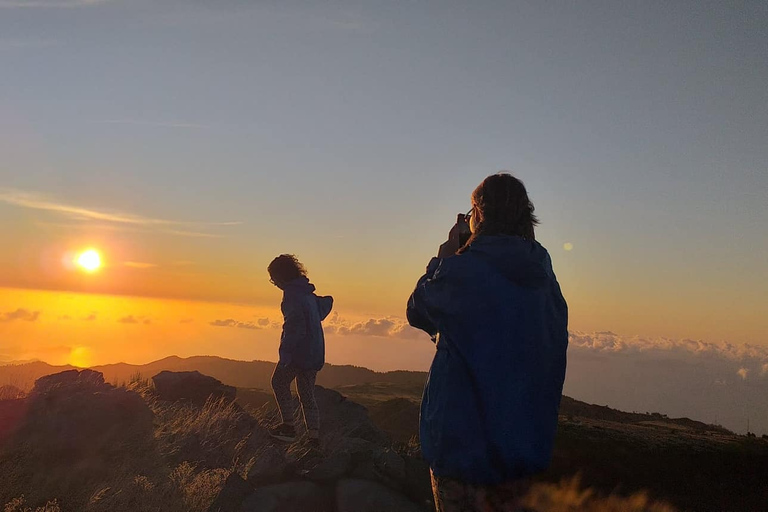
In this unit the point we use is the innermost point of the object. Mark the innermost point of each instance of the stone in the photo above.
(12, 415)
(72, 380)
(340, 417)
(191, 387)
(232, 494)
(75, 431)
(362, 495)
(270, 465)
(391, 464)
(290, 497)
(331, 468)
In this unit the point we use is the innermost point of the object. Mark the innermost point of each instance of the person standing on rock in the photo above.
(495, 311)
(302, 347)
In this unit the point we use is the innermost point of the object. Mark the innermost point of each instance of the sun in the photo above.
(90, 260)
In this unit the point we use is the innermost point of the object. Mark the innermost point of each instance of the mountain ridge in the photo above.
(362, 384)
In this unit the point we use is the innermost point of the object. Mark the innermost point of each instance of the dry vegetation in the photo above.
(570, 496)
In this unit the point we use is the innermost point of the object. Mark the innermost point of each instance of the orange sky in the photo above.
(159, 295)
(89, 329)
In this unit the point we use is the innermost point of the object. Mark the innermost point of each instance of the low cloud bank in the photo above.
(712, 382)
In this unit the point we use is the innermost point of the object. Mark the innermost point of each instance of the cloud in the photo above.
(192, 234)
(20, 314)
(36, 201)
(139, 265)
(131, 319)
(51, 3)
(263, 322)
(90, 318)
(186, 320)
(391, 327)
(231, 322)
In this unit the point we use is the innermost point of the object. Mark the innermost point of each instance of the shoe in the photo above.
(283, 432)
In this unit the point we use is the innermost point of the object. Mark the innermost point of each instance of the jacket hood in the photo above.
(524, 262)
(299, 285)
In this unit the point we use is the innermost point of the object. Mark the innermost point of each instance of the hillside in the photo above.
(691, 464)
(78, 444)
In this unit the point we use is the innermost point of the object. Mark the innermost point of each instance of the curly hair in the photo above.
(501, 206)
(285, 268)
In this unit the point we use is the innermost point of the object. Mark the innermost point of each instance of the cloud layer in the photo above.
(392, 327)
(20, 314)
(231, 322)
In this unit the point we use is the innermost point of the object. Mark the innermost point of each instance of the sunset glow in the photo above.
(90, 260)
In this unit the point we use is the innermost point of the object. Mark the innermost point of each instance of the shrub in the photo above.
(17, 505)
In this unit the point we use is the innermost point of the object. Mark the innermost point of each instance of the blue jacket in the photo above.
(302, 344)
(490, 406)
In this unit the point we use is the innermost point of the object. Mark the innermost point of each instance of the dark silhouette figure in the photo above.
(495, 311)
(302, 346)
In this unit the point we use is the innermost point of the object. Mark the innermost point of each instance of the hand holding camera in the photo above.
(457, 236)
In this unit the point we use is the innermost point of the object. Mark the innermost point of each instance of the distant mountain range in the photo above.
(361, 384)
(241, 374)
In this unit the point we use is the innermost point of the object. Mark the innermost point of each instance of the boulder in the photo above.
(232, 494)
(76, 430)
(398, 417)
(331, 468)
(389, 463)
(12, 414)
(290, 497)
(72, 381)
(78, 414)
(358, 495)
(340, 417)
(270, 465)
(193, 387)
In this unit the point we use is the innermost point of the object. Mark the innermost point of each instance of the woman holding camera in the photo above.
(495, 311)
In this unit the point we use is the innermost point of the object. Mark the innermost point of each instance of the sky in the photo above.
(191, 142)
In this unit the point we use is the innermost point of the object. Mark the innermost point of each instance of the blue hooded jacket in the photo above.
(302, 344)
(490, 406)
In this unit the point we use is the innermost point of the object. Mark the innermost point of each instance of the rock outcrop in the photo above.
(73, 428)
(96, 447)
(193, 387)
(356, 469)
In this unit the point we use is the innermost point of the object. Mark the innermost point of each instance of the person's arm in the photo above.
(417, 310)
(324, 306)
